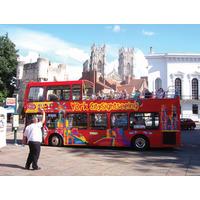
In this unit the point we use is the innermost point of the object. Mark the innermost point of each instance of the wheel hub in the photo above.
(140, 143)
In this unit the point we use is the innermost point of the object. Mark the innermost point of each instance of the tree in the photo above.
(8, 64)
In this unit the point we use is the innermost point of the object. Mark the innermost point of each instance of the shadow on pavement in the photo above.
(187, 156)
(11, 141)
(11, 166)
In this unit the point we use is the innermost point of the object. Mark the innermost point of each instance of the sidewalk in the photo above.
(77, 161)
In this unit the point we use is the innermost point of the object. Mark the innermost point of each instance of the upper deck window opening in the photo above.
(58, 93)
(87, 90)
(76, 92)
(119, 120)
(36, 94)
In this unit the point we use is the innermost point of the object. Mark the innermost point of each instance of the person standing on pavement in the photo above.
(33, 137)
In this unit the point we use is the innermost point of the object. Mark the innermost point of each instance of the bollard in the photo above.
(15, 136)
(15, 125)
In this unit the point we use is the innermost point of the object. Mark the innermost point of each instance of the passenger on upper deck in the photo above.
(160, 93)
(53, 96)
(135, 95)
(147, 94)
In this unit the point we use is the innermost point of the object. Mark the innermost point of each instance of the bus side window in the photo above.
(78, 120)
(119, 120)
(98, 121)
(144, 120)
(137, 121)
(51, 120)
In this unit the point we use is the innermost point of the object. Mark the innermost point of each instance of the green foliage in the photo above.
(8, 65)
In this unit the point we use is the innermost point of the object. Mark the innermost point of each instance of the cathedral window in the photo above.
(99, 67)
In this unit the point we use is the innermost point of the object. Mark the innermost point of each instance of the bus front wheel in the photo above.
(140, 143)
(55, 140)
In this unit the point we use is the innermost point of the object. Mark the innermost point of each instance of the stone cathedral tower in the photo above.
(97, 60)
(125, 68)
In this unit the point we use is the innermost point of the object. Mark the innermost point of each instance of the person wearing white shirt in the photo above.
(33, 137)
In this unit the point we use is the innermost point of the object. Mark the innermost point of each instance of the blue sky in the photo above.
(71, 44)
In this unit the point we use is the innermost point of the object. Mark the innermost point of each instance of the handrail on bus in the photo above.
(112, 95)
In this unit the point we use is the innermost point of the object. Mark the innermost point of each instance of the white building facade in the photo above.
(180, 73)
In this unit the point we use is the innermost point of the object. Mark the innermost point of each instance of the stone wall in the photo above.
(42, 70)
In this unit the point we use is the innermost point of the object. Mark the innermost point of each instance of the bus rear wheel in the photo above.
(140, 143)
(55, 140)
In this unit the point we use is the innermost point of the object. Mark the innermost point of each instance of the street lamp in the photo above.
(15, 121)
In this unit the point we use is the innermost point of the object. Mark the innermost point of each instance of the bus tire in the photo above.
(56, 140)
(140, 143)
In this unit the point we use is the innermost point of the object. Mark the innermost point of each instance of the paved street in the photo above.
(76, 161)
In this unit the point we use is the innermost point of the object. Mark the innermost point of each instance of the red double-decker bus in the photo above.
(74, 117)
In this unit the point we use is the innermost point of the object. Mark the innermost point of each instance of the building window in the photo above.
(100, 67)
(178, 87)
(127, 70)
(158, 84)
(195, 88)
(195, 109)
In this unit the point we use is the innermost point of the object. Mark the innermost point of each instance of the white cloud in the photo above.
(32, 43)
(116, 28)
(148, 33)
(75, 72)
(112, 51)
(111, 65)
(30, 57)
(47, 44)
